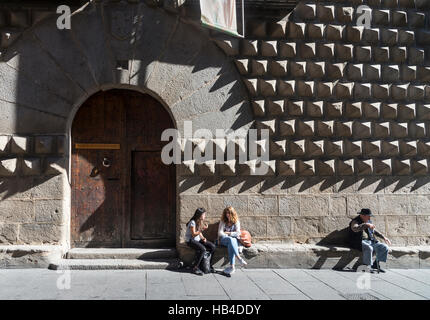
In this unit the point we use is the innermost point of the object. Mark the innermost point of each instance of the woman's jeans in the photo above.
(381, 250)
(232, 246)
(200, 248)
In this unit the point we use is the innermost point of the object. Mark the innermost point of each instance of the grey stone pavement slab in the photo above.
(245, 284)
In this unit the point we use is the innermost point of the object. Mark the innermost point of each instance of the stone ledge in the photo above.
(28, 256)
(279, 255)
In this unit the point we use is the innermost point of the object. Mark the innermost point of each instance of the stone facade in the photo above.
(347, 108)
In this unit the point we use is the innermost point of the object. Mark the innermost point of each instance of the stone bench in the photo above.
(279, 255)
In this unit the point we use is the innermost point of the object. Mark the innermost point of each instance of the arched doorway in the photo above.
(122, 193)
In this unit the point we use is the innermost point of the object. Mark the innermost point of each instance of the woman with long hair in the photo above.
(195, 239)
(228, 235)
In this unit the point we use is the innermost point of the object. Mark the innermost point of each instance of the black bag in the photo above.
(205, 264)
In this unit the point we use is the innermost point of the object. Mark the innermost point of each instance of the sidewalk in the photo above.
(245, 284)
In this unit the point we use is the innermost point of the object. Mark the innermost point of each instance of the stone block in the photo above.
(263, 205)
(8, 233)
(416, 56)
(354, 33)
(31, 166)
(423, 73)
(16, 211)
(372, 72)
(345, 167)
(280, 227)
(287, 49)
(48, 211)
(390, 148)
(35, 233)
(333, 148)
(355, 202)
(189, 203)
(9, 167)
(305, 168)
(287, 127)
(407, 112)
(44, 144)
(423, 37)
(314, 205)
(402, 225)
(289, 205)
(257, 226)
(352, 148)
(286, 168)
(306, 227)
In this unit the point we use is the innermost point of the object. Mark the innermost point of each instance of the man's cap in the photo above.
(366, 212)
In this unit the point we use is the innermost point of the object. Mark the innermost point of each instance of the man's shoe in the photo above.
(198, 272)
(377, 267)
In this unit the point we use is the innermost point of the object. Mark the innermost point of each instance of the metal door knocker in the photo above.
(106, 162)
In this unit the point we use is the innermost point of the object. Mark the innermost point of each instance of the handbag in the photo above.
(205, 264)
(245, 238)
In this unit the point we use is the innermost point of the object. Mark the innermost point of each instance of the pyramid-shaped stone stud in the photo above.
(326, 168)
(307, 50)
(353, 110)
(417, 129)
(344, 14)
(420, 167)
(267, 124)
(352, 148)
(31, 166)
(296, 108)
(343, 90)
(390, 73)
(296, 30)
(380, 91)
(416, 92)
(268, 168)
(277, 30)
(4, 144)
(389, 37)
(390, 148)
(334, 71)
(325, 50)
(408, 148)
(407, 73)
(325, 89)
(382, 167)
(423, 148)
(381, 17)
(247, 168)
(269, 48)
(399, 92)
(407, 112)
(306, 11)
(315, 108)
(249, 47)
(363, 54)
(286, 88)
(416, 55)
(305, 88)
(287, 49)
(236, 145)
(372, 148)
(256, 28)
(287, 127)
(44, 144)
(325, 128)
(8, 167)
(333, 148)
(315, 31)
(344, 52)
(297, 68)
(314, 148)
(286, 167)
(334, 32)
(278, 148)
(355, 72)
(401, 167)
(315, 70)
(228, 168)
(206, 168)
(399, 129)
(251, 85)
(325, 13)
(242, 65)
(54, 165)
(363, 167)
(229, 46)
(296, 147)
(389, 111)
(406, 37)
(20, 145)
(306, 168)
(305, 128)
(267, 87)
(381, 130)
(371, 35)
(345, 167)
(334, 109)
(220, 145)
(343, 128)
(423, 112)
(372, 110)
(362, 129)
(258, 107)
(275, 107)
(258, 67)
(354, 34)
(278, 68)
(362, 90)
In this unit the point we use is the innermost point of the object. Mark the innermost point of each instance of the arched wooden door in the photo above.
(122, 193)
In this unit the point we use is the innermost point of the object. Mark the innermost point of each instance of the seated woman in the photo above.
(228, 234)
(195, 239)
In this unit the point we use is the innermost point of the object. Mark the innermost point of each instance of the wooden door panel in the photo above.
(151, 197)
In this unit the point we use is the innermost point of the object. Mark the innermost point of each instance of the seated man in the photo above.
(362, 237)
